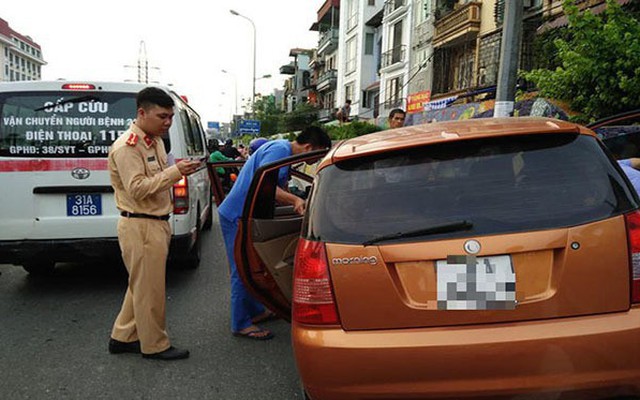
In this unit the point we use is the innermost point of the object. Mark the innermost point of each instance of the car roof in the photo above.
(436, 132)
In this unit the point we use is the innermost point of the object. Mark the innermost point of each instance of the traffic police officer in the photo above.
(142, 181)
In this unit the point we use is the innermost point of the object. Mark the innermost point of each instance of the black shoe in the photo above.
(118, 347)
(169, 354)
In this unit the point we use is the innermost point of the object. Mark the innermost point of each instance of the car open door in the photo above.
(268, 233)
(620, 133)
(219, 188)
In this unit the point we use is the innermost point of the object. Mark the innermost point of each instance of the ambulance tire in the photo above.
(192, 259)
(208, 222)
(39, 267)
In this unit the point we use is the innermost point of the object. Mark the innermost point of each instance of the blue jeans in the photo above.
(243, 305)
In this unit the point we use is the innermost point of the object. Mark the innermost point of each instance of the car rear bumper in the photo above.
(21, 251)
(70, 250)
(581, 357)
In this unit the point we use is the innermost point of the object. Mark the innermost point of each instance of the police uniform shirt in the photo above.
(140, 174)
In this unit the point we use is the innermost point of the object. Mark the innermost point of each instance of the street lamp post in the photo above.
(253, 90)
(235, 91)
(267, 76)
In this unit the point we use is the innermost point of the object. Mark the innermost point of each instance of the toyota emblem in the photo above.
(80, 173)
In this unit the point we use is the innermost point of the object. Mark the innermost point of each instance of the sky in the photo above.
(187, 43)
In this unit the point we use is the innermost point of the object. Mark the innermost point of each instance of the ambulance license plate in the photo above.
(83, 205)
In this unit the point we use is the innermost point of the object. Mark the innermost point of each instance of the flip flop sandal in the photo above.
(255, 335)
(269, 317)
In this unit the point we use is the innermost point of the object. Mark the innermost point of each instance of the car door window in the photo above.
(620, 134)
(221, 177)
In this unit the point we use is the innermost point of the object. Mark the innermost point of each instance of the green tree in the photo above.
(599, 73)
(350, 130)
(303, 116)
(268, 114)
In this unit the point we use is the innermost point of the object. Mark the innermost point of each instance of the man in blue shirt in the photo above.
(630, 167)
(245, 310)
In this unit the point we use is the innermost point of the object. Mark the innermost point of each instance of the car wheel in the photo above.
(39, 267)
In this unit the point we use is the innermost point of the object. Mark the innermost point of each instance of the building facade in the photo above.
(20, 57)
(384, 54)
(325, 63)
(357, 69)
(298, 86)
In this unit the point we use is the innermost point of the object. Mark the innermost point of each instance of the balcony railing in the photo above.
(397, 54)
(392, 5)
(466, 19)
(328, 41)
(327, 80)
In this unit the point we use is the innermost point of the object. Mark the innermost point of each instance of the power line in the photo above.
(143, 64)
(422, 65)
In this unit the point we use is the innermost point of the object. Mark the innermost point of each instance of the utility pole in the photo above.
(509, 54)
(143, 65)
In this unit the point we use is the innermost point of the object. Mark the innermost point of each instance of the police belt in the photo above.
(137, 215)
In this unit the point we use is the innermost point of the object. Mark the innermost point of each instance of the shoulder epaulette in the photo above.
(132, 140)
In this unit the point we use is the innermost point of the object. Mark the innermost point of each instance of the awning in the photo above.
(562, 20)
(374, 85)
(440, 103)
(376, 20)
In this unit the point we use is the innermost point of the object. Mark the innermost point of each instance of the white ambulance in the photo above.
(57, 203)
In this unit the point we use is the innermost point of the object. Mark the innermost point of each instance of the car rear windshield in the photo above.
(63, 124)
(488, 186)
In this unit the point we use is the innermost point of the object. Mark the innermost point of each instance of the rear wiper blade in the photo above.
(75, 100)
(432, 230)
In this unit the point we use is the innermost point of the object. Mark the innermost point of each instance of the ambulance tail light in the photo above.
(633, 238)
(313, 299)
(181, 196)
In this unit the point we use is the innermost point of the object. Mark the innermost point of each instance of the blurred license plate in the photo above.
(476, 283)
(82, 205)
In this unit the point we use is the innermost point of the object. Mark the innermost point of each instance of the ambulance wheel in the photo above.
(39, 267)
(208, 222)
(192, 259)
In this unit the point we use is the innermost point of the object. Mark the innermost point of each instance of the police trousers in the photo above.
(144, 244)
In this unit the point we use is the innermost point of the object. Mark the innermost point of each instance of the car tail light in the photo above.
(78, 86)
(633, 237)
(181, 196)
(313, 300)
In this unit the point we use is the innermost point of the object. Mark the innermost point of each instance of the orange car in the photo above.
(487, 258)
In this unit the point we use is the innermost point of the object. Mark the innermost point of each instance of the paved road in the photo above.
(54, 333)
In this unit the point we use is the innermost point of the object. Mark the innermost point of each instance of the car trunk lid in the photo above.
(557, 273)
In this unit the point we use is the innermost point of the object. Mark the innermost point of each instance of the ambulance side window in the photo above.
(188, 132)
(198, 134)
